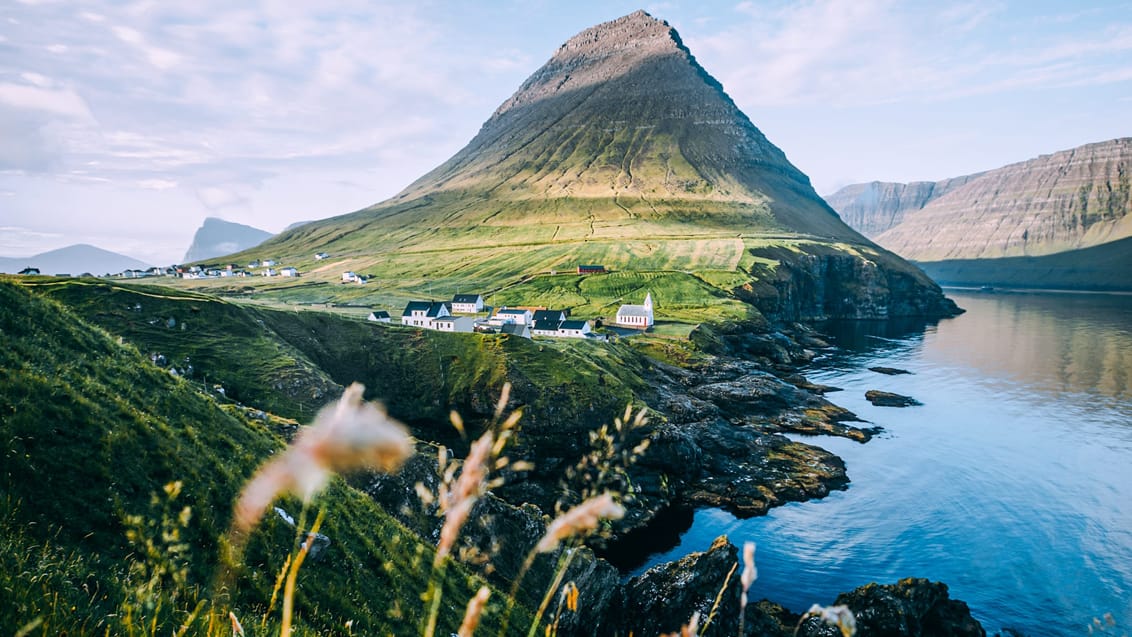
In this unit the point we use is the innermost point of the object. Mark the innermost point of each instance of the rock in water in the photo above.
(889, 371)
(889, 399)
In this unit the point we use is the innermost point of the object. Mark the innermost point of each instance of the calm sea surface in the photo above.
(1012, 483)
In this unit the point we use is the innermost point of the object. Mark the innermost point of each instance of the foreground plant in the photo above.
(458, 495)
(348, 435)
(839, 616)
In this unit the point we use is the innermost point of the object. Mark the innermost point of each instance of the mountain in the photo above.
(877, 206)
(1067, 200)
(74, 260)
(217, 237)
(620, 151)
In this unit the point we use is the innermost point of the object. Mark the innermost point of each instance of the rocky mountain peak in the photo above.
(599, 54)
(623, 109)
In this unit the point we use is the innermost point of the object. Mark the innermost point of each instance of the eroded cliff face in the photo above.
(1064, 201)
(822, 284)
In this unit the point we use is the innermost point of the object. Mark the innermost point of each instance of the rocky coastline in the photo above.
(715, 441)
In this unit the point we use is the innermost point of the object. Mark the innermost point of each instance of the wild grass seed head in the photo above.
(580, 521)
(347, 435)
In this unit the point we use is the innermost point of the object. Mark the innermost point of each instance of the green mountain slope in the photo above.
(91, 429)
(620, 151)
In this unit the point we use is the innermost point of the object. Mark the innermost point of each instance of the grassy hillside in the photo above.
(292, 361)
(205, 338)
(92, 429)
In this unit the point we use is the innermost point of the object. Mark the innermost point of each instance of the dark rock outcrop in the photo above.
(496, 541)
(910, 608)
(664, 598)
(889, 399)
(889, 371)
(824, 283)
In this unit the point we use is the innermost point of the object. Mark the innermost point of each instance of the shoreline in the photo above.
(1006, 290)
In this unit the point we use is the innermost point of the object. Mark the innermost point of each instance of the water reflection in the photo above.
(1012, 483)
(1059, 343)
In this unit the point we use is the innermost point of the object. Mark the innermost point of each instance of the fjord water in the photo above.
(1012, 483)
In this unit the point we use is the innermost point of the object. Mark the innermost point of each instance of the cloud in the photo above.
(867, 52)
(215, 197)
(156, 184)
(20, 241)
(160, 58)
(61, 102)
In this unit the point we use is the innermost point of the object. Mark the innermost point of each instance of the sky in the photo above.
(126, 124)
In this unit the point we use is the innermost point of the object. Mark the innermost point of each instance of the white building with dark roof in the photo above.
(507, 315)
(638, 316)
(467, 303)
(464, 324)
(423, 313)
(574, 329)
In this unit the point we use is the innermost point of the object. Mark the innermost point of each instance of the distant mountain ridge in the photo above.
(217, 237)
(74, 260)
(1068, 200)
(877, 206)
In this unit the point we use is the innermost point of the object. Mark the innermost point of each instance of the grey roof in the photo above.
(549, 315)
(572, 325)
(632, 310)
(511, 310)
(466, 298)
(417, 306)
(380, 313)
(434, 309)
(549, 326)
(518, 329)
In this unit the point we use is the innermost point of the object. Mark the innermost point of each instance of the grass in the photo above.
(92, 429)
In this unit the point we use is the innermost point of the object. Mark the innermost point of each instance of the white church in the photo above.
(638, 316)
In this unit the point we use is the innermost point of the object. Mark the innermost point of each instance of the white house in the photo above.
(320, 256)
(507, 315)
(267, 263)
(349, 277)
(288, 271)
(574, 329)
(423, 313)
(638, 316)
(467, 303)
(454, 324)
(547, 322)
(379, 316)
(270, 272)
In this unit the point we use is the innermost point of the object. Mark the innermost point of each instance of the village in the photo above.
(468, 313)
(465, 313)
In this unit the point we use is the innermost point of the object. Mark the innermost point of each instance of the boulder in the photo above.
(912, 607)
(889, 399)
(664, 598)
(889, 371)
